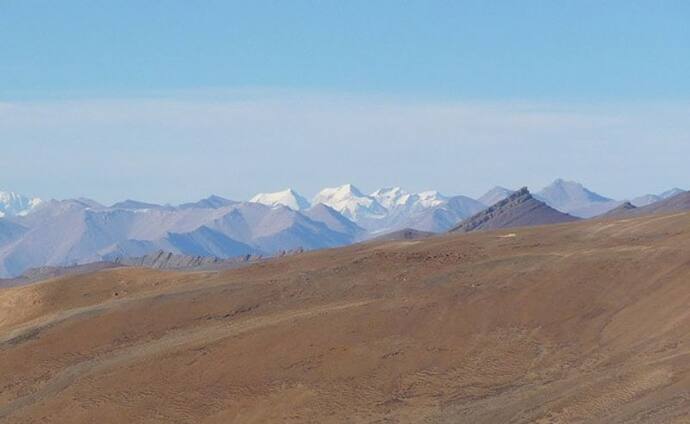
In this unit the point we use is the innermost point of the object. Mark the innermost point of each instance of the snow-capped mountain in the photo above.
(443, 216)
(394, 208)
(77, 231)
(351, 202)
(573, 198)
(287, 197)
(396, 198)
(425, 211)
(495, 195)
(15, 204)
(391, 197)
(431, 198)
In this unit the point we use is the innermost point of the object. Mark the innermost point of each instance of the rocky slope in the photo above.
(520, 209)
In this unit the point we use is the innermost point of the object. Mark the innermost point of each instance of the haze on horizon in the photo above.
(171, 103)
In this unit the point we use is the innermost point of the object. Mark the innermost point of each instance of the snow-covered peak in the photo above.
(350, 201)
(15, 204)
(340, 192)
(390, 197)
(396, 197)
(287, 197)
(431, 198)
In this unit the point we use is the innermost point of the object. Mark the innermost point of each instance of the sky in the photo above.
(171, 101)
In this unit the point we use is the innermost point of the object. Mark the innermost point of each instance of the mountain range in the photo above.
(677, 203)
(648, 199)
(73, 232)
(36, 233)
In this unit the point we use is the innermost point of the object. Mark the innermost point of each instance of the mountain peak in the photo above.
(670, 193)
(135, 205)
(15, 204)
(495, 195)
(391, 197)
(211, 202)
(287, 197)
(520, 209)
(341, 191)
(573, 198)
(348, 189)
(565, 184)
(215, 198)
(349, 201)
(431, 198)
(389, 191)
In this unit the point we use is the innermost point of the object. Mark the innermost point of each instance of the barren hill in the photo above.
(519, 209)
(583, 322)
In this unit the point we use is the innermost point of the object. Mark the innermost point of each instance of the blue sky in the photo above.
(174, 100)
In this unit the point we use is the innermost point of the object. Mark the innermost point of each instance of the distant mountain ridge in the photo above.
(677, 203)
(648, 199)
(71, 232)
(36, 233)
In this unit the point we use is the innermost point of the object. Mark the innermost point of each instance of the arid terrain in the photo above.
(579, 322)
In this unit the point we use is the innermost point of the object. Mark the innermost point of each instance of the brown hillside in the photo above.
(582, 322)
